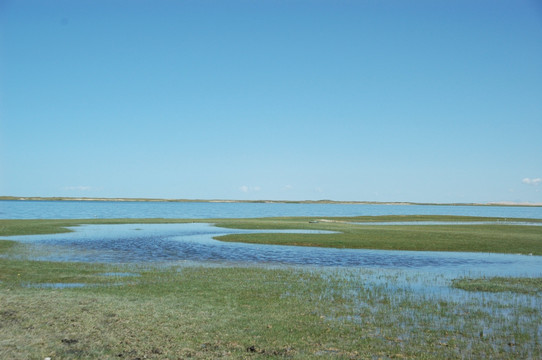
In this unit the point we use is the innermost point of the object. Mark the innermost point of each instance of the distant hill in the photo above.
(58, 198)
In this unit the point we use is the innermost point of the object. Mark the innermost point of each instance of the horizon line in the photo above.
(320, 201)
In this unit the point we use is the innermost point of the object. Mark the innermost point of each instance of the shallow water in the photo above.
(58, 285)
(174, 243)
(120, 274)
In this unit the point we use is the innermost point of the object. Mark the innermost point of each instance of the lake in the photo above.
(207, 210)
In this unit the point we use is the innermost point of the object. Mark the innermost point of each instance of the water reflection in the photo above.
(134, 243)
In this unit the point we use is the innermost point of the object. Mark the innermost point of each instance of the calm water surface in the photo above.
(206, 210)
(174, 243)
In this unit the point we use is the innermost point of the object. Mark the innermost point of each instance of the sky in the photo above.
(381, 100)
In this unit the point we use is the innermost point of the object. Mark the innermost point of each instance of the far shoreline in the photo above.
(62, 198)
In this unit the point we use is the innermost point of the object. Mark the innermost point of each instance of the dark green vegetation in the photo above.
(501, 284)
(497, 238)
(471, 238)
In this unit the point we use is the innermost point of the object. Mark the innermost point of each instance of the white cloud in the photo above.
(78, 188)
(247, 189)
(529, 181)
(287, 187)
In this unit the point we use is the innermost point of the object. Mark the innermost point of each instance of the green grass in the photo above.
(6, 245)
(463, 238)
(501, 284)
(248, 313)
(494, 238)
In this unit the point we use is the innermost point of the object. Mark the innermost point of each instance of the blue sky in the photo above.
(389, 100)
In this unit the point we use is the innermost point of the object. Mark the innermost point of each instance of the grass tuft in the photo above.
(500, 284)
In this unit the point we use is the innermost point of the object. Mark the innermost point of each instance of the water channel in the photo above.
(193, 242)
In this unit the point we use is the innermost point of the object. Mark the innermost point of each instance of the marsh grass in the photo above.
(179, 312)
(512, 239)
(500, 284)
(204, 313)
(6, 245)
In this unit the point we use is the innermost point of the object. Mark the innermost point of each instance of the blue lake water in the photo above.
(206, 210)
(194, 243)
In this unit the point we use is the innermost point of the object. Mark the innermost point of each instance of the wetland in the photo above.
(363, 287)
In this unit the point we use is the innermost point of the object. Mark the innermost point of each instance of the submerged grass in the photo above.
(500, 284)
(251, 313)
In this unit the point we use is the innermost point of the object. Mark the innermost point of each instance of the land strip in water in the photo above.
(500, 284)
(495, 236)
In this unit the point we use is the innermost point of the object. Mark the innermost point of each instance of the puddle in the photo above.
(119, 274)
(68, 285)
(57, 285)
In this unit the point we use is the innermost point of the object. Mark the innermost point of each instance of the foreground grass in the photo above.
(496, 238)
(202, 313)
(248, 313)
